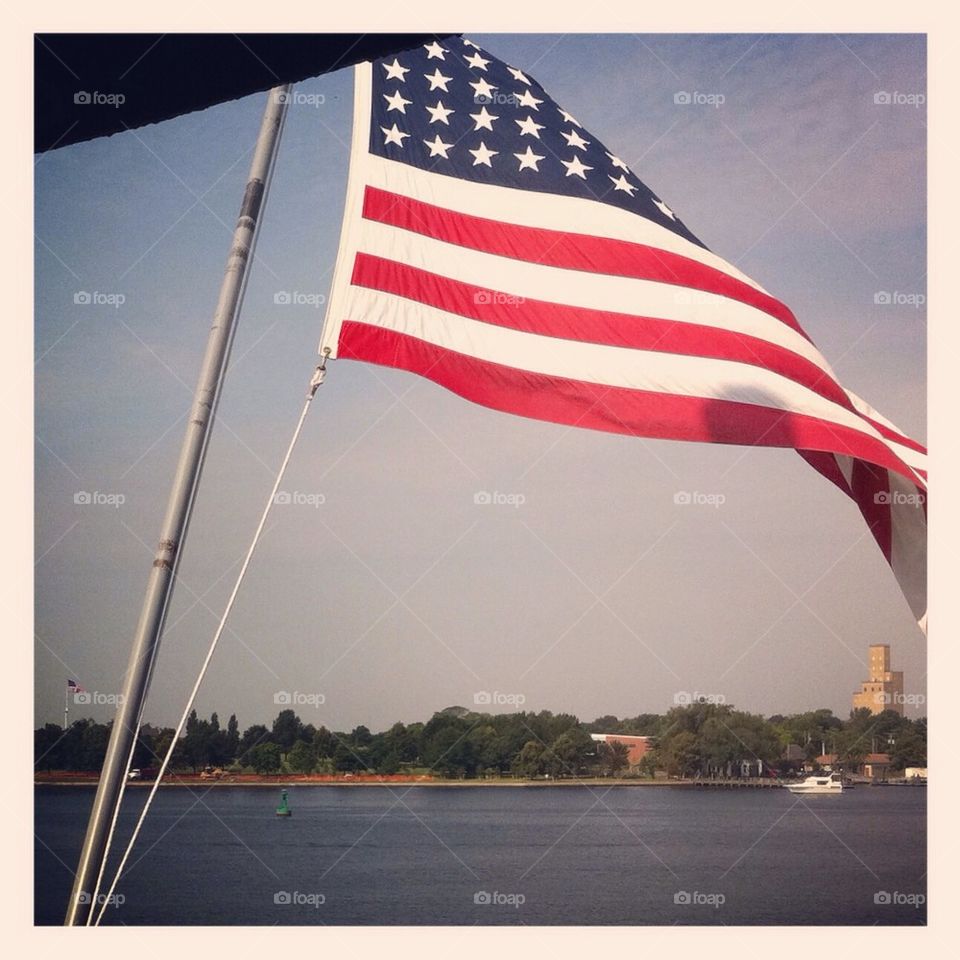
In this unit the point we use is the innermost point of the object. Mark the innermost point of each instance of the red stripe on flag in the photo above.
(568, 251)
(871, 490)
(579, 403)
(885, 431)
(591, 326)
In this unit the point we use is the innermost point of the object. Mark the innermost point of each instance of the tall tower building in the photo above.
(884, 689)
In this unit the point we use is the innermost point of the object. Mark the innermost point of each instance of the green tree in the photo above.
(286, 730)
(264, 758)
(345, 758)
(361, 736)
(231, 746)
(530, 762)
(679, 754)
(605, 724)
(614, 757)
(197, 742)
(92, 746)
(909, 750)
(252, 737)
(851, 748)
(647, 767)
(324, 744)
(569, 753)
(47, 749)
(445, 747)
(301, 758)
(642, 725)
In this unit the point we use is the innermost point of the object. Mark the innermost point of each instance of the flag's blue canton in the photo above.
(454, 109)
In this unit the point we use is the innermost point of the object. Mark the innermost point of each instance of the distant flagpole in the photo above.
(146, 641)
(66, 706)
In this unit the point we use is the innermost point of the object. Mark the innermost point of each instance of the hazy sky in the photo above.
(398, 595)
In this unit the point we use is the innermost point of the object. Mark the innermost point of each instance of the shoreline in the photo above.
(281, 782)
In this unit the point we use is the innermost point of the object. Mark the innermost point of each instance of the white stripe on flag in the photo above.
(529, 208)
(578, 288)
(678, 374)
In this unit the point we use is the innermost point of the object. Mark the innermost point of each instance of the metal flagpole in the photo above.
(176, 521)
(66, 706)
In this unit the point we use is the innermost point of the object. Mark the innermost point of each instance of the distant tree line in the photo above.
(695, 739)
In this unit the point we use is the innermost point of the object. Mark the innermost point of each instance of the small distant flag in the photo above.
(494, 245)
(74, 686)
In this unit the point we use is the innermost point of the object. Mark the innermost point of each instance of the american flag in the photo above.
(494, 245)
(75, 687)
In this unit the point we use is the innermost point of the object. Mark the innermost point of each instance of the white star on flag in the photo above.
(529, 160)
(393, 135)
(395, 71)
(483, 90)
(620, 183)
(617, 162)
(529, 100)
(574, 166)
(434, 50)
(484, 119)
(574, 140)
(568, 118)
(483, 155)
(664, 209)
(439, 113)
(519, 75)
(438, 148)
(438, 80)
(529, 126)
(396, 102)
(477, 62)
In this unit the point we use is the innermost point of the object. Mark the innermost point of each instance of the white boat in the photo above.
(822, 783)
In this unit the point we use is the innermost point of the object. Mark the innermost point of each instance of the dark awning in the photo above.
(96, 84)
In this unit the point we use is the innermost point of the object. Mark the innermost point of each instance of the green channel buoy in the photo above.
(284, 810)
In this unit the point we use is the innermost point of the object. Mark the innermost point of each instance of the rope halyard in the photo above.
(316, 381)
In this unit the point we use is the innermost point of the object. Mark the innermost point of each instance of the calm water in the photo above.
(573, 855)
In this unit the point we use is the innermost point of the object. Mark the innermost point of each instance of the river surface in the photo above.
(501, 855)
